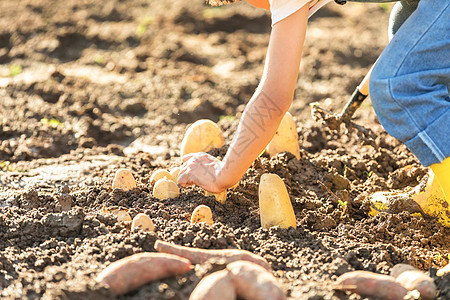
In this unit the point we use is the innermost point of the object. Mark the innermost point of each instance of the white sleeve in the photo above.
(281, 9)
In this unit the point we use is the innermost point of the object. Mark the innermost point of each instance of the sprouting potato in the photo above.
(202, 136)
(142, 221)
(220, 197)
(124, 180)
(174, 172)
(286, 138)
(159, 174)
(202, 214)
(275, 206)
(165, 189)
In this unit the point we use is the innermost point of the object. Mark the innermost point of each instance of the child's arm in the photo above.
(262, 115)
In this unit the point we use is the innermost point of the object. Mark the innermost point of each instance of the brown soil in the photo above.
(112, 84)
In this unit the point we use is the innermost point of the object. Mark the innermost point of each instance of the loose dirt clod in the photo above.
(275, 206)
(198, 256)
(202, 214)
(160, 174)
(129, 273)
(143, 222)
(124, 180)
(370, 284)
(253, 282)
(285, 139)
(165, 189)
(202, 136)
(217, 285)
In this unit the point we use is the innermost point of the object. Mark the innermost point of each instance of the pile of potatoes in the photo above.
(204, 135)
(246, 275)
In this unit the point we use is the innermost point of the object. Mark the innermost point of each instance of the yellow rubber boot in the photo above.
(432, 200)
(442, 172)
(428, 194)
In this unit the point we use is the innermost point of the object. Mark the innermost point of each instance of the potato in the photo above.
(253, 282)
(174, 172)
(122, 215)
(202, 214)
(165, 189)
(129, 273)
(217, 285)
(286, 138)
(370, 284)
(160, 174)
(414, 279)
(142, 221)
(220, 197)
(400, 268)
(275, 206)
(202, 136)
(124, 180)
(199, 256)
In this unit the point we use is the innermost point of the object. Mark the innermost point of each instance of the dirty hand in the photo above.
(202, 170)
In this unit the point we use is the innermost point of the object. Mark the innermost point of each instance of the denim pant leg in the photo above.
(410, 83)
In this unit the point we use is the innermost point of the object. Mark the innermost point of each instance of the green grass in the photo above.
(99, 59)
(52, 122)
(342, 203)
(15, 70)
(143, 25)
(230, 118)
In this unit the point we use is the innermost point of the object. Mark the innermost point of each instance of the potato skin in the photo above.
(253, 282)
(418, 280)
(129, 273)
(198, 256)
(217, 285)
(286, 138)
(414, 279)
(275, 207)
(202, 136)
(370, 284)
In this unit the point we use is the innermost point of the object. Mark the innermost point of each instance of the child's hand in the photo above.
(202, 170)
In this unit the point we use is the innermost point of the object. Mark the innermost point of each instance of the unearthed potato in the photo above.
(174, 172)
(370, 284)
(202, 213)
(122, 215)
(160, 174)
(202, 136)
(286, 138)
(275, 206)
(220, 197)
(142, 221)
(400, 268)
(253, 282)
(129, 273)
(199, 256)
(124, 180)
(414, 279)
(217, 285)
(165, 189)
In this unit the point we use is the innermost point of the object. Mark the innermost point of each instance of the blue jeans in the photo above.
(410, 83)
